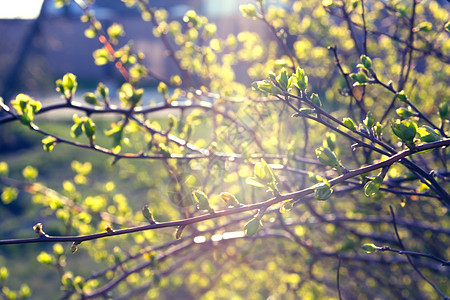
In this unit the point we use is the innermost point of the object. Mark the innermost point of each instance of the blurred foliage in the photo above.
(215, 146)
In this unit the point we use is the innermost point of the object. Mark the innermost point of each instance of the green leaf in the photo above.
(447, 26)
(369, 248)
(76, 130)
(202, 201)
(372, 187)
(322, 191)
(229, 199)
(328, 157)
(148, 215)
(349, 123)
(404, 112)
(252, 227)
(300, 79)
(254, 181)
(48, 143)
(129, 95)
(264, 172)
(428, 134)
(406, 130)
(359, 78)
(316, 100)
(102, 90)
(266, 87)
(89, 128)
(283, 80)
(366, 61)
(401, 96)
(368, 121)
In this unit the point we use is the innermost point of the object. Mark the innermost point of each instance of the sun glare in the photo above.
(20, 9)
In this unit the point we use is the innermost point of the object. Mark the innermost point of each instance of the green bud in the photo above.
(366, 61)
(406, 130)
(102, 90)
(368, 121)
(300, 79)
(264, 172)
(58, 249)
(39, 230)
(327, 157)
(428, 134)
(109, 229)
(252, 227)
(369, 248)
(401, 96)
(162, 89)
(172, 121)
(283, 80)
(286, 206)
(378, 129)
(91, 99)
(266, 87)
(148, 215)
(69, 85)
(89, 128)
(45, 258)
(316, 100)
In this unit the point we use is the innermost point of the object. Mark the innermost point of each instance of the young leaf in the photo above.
(369, 248)
(300, 79)
(202, 201)
(91, 99)
(372, 187)
(252, 227)
(328, 157)
(322, 190)
(229, 199)
(316, 100)
(48, 143)
(366, 61)
(89, 128)
(428, 134)
(148, 214)
(349, 123)
(254, 181)
(406, 130)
